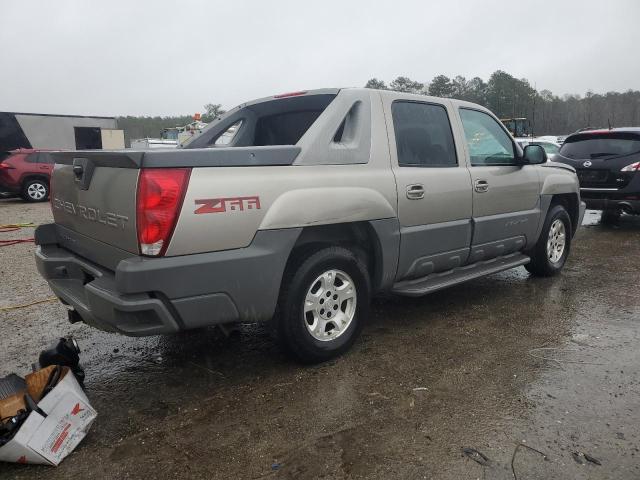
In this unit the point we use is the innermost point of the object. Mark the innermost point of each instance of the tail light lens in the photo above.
(631, 168)
(5, 166)
(159, 200)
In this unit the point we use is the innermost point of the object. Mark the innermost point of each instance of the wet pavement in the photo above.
(531, 373)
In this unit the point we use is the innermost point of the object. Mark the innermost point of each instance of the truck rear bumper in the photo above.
(149, 296)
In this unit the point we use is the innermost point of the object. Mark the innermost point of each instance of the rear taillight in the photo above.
(5, 166)
(631, 168)
(158, 203)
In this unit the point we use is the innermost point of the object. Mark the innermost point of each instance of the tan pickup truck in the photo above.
(296, 209)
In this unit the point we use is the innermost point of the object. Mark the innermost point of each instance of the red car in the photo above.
(25, 172)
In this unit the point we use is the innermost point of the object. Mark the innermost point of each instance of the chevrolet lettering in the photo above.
(91, 214)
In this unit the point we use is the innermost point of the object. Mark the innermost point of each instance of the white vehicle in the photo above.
(153, 143)
(550, 146)
(191, 130)
(171, 137)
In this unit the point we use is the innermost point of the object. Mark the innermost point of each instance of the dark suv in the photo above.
(25, 172)
(608, 167)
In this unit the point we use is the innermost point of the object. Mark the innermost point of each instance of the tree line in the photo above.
(502, 93)
(510, 97)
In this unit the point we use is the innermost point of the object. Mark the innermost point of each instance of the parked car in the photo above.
(551, 138)
(550, 147)
(608, 166)
(318, 201)
(26, 172)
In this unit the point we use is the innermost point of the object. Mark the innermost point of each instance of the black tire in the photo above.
(36, 190)
(610, 217)
(293, 334)
(541, 264)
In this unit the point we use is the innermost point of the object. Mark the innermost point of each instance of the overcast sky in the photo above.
(119, 57)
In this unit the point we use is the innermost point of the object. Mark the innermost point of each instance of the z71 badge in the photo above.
(224, 204)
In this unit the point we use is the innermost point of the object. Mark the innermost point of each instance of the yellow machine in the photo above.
(518, 127)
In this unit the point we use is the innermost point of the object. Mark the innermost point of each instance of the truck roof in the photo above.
(390, 93)
(585, 134)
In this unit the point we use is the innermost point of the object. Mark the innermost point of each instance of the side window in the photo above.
(44, 157)
(423, 135)
(488, 143)
(228, 135)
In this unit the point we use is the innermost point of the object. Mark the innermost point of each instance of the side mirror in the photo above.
(534, 155)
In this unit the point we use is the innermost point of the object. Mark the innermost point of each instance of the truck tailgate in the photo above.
(94, 195)
(93, 192)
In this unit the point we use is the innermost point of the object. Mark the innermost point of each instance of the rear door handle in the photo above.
(415, 191)
(481, 186)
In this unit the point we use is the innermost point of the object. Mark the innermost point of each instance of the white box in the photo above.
(48, 440)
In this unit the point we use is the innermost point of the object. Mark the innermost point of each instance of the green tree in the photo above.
(441, 86)
(461, 88)
(508, 96)
(477, 91)
(376, 84)
(405, 84)
(212, 110)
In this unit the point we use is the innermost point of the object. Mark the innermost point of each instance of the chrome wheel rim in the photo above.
(37, 191)
(330, 305)
(556, 241)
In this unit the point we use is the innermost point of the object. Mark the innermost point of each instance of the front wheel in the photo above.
(35, 190)
(552, 249)
(323, 304)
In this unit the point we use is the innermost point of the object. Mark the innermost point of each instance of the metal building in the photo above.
(58, 132)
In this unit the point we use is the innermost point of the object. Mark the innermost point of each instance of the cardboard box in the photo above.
(47, 440)
(10, 406)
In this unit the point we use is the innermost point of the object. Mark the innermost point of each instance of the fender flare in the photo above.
(326, 205)
(557, 183)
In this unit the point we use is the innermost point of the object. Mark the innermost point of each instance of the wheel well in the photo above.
(570, 202)
(34, 177)
(359, 237)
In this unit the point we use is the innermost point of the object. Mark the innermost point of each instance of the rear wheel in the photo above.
(552, 249)
(323, 304)
(36, 190)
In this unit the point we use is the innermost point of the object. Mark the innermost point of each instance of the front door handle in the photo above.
(481, 186)
(415, 191)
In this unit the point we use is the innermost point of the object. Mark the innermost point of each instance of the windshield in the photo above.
(588, 146)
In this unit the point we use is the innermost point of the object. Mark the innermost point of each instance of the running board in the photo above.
(437, 281)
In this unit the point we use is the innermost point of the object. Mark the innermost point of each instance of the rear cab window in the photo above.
(226, 137)
(600, 145)
(487, 140)
(279, 121)
(423, 135)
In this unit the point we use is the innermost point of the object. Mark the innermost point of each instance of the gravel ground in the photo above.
(508, 360)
